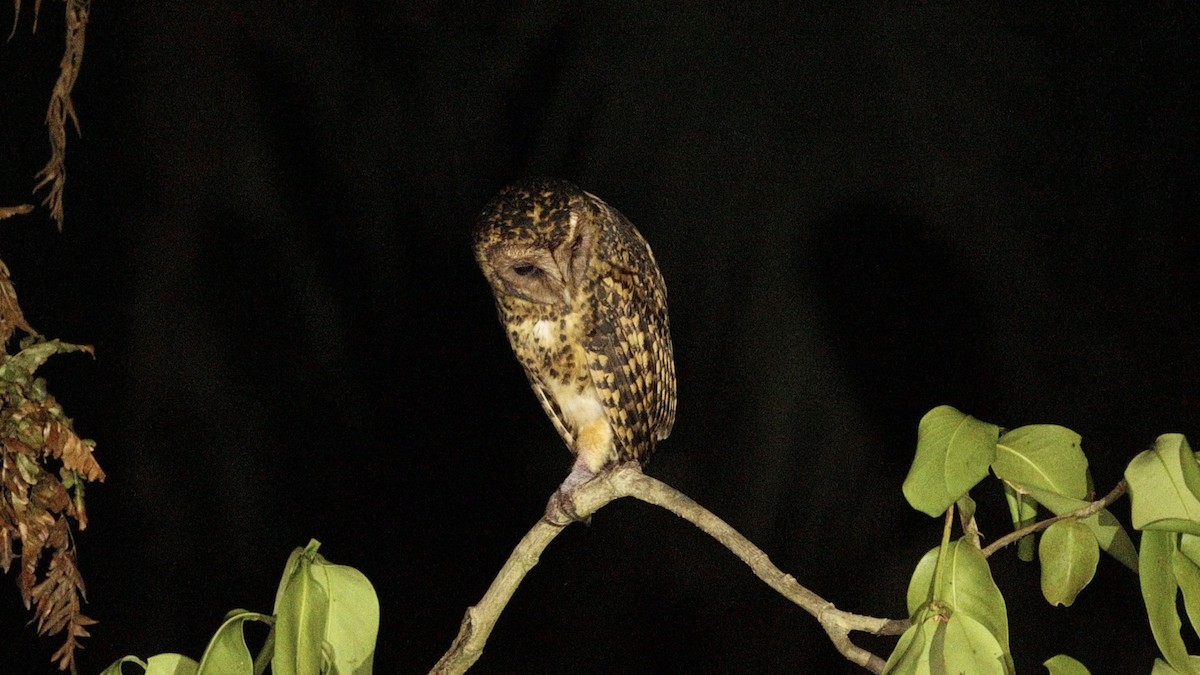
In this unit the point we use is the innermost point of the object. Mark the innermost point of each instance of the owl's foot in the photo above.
(560, 510)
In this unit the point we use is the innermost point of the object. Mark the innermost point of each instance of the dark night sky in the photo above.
(861, 210)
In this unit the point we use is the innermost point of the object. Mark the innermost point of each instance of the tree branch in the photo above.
(629, 481)
(1084, 512)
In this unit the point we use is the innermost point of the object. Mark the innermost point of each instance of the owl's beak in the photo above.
(568, 284)
(564, 272)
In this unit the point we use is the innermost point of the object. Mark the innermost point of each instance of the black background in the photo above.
(861, 210)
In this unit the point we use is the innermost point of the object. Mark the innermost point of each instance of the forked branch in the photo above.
(1095, 507)
(629, 481)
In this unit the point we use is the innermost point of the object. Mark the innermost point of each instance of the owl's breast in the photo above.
(551, 348)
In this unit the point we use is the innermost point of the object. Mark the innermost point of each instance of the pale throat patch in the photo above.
(543, 331)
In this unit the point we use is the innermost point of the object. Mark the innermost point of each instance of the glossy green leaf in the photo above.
(227, 652)
(954, 451)
(1162, 484)
(1023, 511)
(327, 617)
(1069, 555)
(1187, 575)
(1064, 665)
(1108, 531)
(1159, 592)
(1043, 455)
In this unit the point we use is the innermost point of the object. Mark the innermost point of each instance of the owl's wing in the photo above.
(632, 366)
(551, 408)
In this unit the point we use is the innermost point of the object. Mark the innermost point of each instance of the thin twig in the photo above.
(1090, 509)
(629, 481)
(18, 210)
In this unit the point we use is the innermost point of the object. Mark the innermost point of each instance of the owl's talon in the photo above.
(560, 510)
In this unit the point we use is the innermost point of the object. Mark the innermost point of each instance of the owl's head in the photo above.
(535, 239)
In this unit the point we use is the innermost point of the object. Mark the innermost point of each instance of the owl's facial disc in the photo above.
(531, 273)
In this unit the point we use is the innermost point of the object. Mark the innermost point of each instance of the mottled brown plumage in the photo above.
(585, 309)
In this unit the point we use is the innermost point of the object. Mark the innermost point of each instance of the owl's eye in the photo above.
(525, 269)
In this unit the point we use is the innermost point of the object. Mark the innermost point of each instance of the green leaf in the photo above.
(920, 585)
(966, 587)
(966, 518)
(1187, 575)
(1064, 665)
(970, 647)
(954, 451)
(1163, 668)
(957, 644)
(911, 655)
(161, 664)
(1159, 591)
(1189, 545)
(1023, 511)
(116, 667)
(1069, 554)
(327, 616)
(20, 366)
(171, 664)
(227, 651)
(1104, 525)
(1162, 484)
(301, 612)
(966, 508)
(1043, 455)
(353, 619)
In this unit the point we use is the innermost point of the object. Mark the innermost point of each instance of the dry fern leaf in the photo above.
(61, 108)
(44, 465)
(11, 316)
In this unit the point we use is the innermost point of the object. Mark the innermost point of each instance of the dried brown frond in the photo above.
(54, 174)
(57, 606)
(11, 316)
(44, 464)
(43, 467)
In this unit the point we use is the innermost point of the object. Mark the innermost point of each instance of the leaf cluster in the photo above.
(1164, 488)
(959, 618)
(325, 621)
(44, 465)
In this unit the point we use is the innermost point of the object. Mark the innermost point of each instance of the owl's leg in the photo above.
(561, 508)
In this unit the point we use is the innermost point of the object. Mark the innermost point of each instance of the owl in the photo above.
(585, 309)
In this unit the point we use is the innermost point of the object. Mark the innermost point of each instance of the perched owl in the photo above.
(585, 309)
